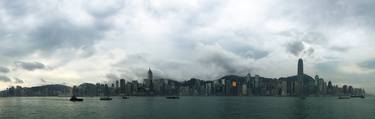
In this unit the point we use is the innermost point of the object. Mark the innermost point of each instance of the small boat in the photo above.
(106, 94)
(344, 97)
(75, 99)
(172, 97)
(125, 97)
(106, 98)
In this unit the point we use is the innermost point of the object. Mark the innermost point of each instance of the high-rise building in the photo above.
(117, 84)
(256, 89)
(284, 87)
(122, 86)
(300, 75)
(257, 81)
(330, 88)
(148, 83)
(300, 67)
(244, 90)
(148, 80)
(249, 85)
(149, 74)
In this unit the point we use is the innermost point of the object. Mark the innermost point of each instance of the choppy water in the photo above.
(188, 108)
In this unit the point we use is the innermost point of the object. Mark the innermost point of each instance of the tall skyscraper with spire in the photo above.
(150, 85)
(300, 67)
(300, 76)
(149, 74)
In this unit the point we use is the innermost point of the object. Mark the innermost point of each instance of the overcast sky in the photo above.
(75, 41)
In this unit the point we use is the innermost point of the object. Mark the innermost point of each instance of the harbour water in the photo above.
(187, 108)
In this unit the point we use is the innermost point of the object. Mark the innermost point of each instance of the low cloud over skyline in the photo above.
(71, 42)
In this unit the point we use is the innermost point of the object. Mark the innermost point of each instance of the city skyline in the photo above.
(187, 59)
(72, 42)
(298, 85)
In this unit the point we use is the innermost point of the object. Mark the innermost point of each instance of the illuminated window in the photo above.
(234, 84)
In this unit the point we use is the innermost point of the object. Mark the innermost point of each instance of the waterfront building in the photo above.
(148, 83)
(98, 89)
(117, 84)
(244, 89)
(330, 88)
(256, 85)
(209, 88)
(320, 86)
(283, 88)
(122, 86)
(128, 88)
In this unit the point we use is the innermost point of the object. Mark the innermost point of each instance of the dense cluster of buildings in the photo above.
(231, 85)
(45, 90)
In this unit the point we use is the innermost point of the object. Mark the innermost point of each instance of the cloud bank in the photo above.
(71, 42)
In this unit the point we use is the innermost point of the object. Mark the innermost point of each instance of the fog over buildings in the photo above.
(73, 42)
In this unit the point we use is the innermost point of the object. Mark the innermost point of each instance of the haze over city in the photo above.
(72, 42)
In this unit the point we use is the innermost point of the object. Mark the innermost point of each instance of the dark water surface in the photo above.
(188, 108)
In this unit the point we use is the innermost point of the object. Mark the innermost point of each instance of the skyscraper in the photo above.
(117, 84)
(122, 86)
(300, 67)
(150, 84)
(301, 90)
(149, 74)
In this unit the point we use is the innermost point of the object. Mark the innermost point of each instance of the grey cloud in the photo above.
(340, 48)
(368, 64)
(218, 58)
(132, 67)
(4, 69)
(4, 78)
(220, 61)
(31, 66)
(208, 62)
(295, 47)
(309, 51)
(252, 53)
(57, 34)
(42, 80)
(100, 10)
(16, 8)
(112, 76)
(255, 54)
(314, 38)
(244, 50)
(311, 37)
(330, 12)
(299, 47)
(18, 81)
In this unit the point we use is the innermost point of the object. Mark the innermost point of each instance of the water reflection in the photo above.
(189, 108)
(301, 109)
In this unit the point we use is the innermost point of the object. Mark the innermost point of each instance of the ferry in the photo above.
(125, 97)
(172, 97)
(75, 99)
(106, 98)
(344, 97)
